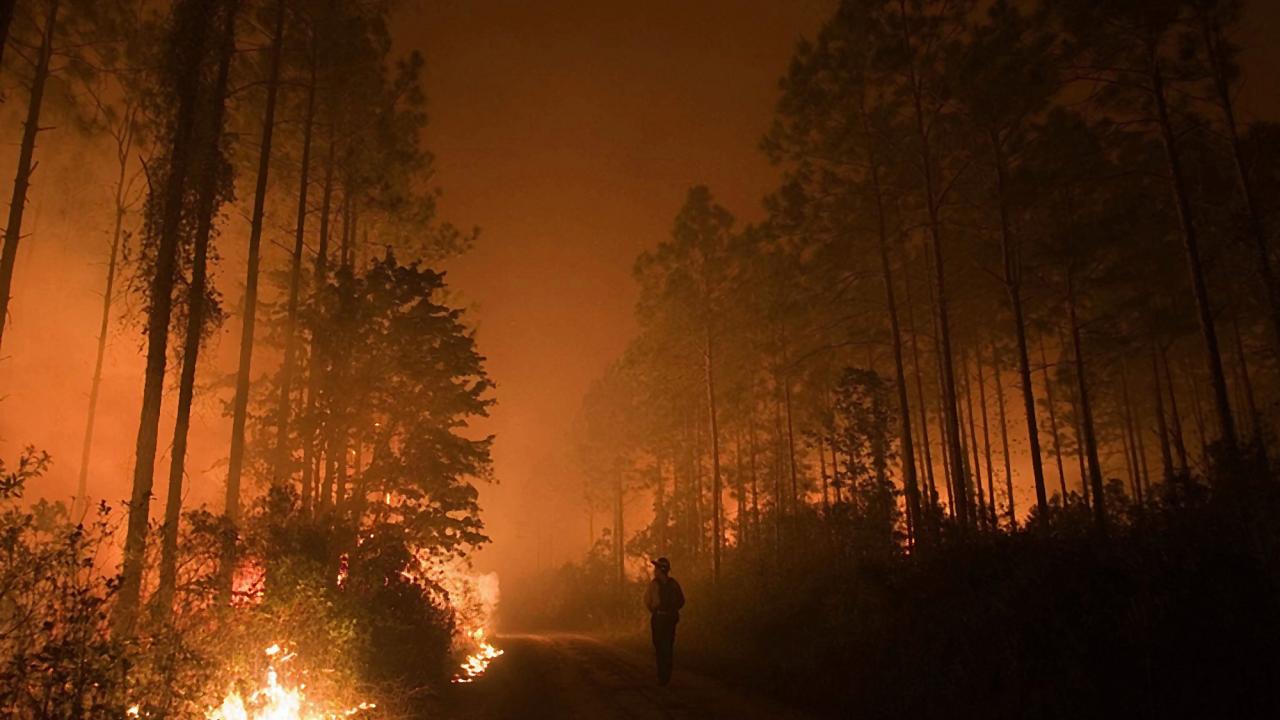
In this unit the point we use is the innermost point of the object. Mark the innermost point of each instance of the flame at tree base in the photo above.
(478, 661)
(275, 701)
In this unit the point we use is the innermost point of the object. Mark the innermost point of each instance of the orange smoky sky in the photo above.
(567, 130)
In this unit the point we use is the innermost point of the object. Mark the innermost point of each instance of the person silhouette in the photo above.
(664, 599)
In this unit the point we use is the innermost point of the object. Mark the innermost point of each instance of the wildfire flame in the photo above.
(276, 701)
(477, 662)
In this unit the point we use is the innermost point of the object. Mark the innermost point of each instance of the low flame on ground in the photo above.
(276, 701)
(478, 661)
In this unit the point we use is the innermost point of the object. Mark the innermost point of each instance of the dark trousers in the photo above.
(663, 626)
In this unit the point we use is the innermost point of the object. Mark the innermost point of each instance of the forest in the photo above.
(975, 416)
(980, 419)
(332, 578)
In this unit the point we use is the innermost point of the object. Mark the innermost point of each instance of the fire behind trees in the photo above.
(350, 487)
(979, 418)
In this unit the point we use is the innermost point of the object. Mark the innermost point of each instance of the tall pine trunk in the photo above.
(196, 291)
(310, 454)
(709, 367)
(283, 406)
(1162, 429)
(1195, 267)
(1012, 259)
(189, 37)
(1004, 435)
(986, 439)
(1053, 423)
(1215, 42)
(910, 483)
(1086, 413)
(124, 144)
(22, 178)
(240, 406)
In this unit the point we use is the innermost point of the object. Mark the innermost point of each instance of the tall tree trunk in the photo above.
(660, 505)
(619, 535)
(932, 203)
(282, 455)
(924, 410)
(986, 439)
(1004, 436)
(1166, 455)
(22, 178)
(1086, 414)
(822, 472)
(755, 484)
(1197, 411)
(6, 19)
(910, 484)
(196, 291)
(1179, 440)
(740, 480)
(1246, 381)
(1135, 438)
(314, 368)
(240, 406)
(1215, 42)
(189, 25)
(980, 510)
(124, 144)
(1191, 244)
(1012, 258)
(1053, 423)
(709, 367)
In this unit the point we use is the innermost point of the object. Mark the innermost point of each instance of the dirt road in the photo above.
(572, 677)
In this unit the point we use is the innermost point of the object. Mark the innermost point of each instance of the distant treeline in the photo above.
(1013, 308)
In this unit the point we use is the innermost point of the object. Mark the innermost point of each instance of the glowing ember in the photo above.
(275, 701)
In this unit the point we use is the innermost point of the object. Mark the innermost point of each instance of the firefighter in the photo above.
(663, 598)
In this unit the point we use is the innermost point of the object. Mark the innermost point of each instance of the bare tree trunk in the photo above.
(1086, 414)
(314, 369)
(124, 143)
(240, 406)
(189, 25)
(1131, 433)
(1197, 412)
(1012, 258)
(1179, 440)
(1214, 41)
(1004, 436)
(924, 411)
(22, 179)
(822, 472)
(1166, 455)
(1053, 423)
(660, 503)
(949, 398)
(910, 484)
(716, 530)
(740, 480)
(980, 511)
(282, 455)
(6, 19)
(986, 439)
(1209, 334)
(196, 291)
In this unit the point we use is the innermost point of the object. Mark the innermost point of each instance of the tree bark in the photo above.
(311, 478)
(986, 439)
(1166, 455)
(208, 187)
(124, 143)
(1012, 258)
(189, 26)
(910, 483)
(1004, 436)
(283, 405)
(1053, 423)
(1214, 40)
(240, 406)
(6, 19)
(1086, 414)
(22, 178)
(1191, 244)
